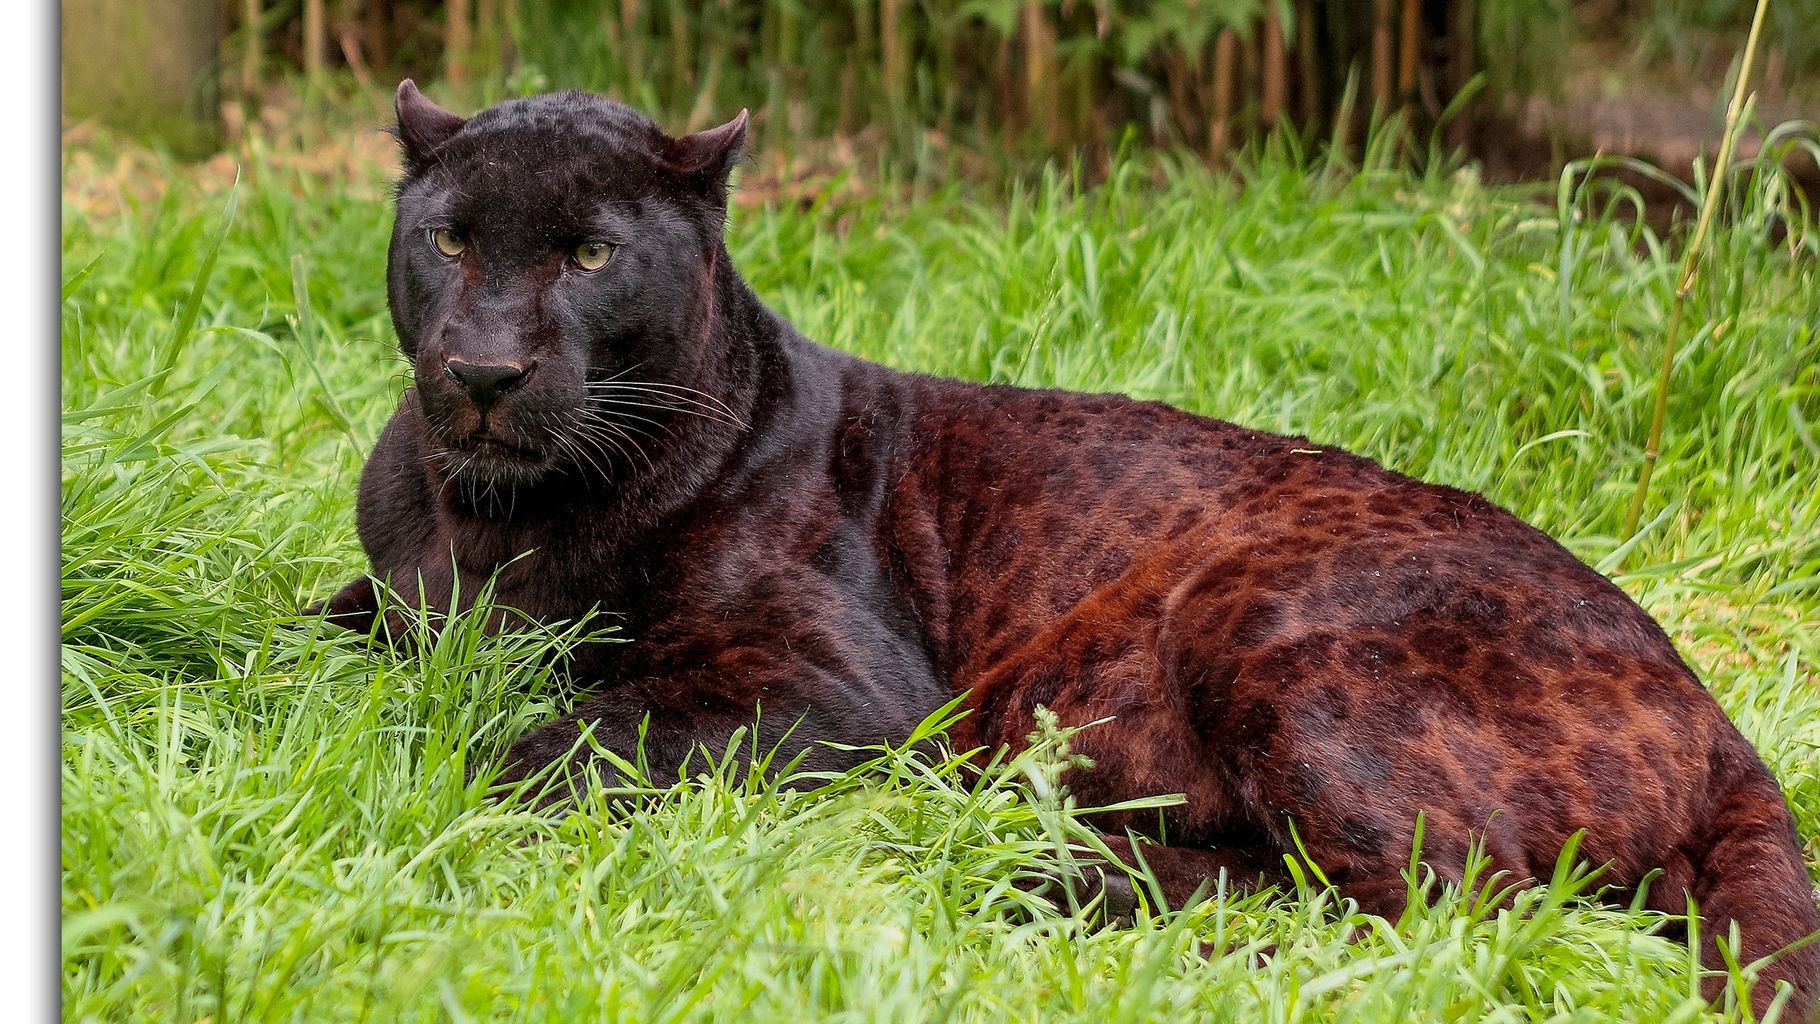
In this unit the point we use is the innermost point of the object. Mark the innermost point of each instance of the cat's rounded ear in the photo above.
(708, 156)
(422, 125)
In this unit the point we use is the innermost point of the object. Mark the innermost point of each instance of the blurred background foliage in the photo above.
(941, 86)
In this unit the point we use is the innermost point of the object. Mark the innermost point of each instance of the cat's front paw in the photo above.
(360, 608)
(1105, 889)
(354, 607)
(552, 765)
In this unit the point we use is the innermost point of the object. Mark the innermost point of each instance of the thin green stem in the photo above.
(1690, 266)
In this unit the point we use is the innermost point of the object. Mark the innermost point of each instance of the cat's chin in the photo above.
(489, 461)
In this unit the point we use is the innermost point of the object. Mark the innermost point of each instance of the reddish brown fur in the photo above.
(1306, 637)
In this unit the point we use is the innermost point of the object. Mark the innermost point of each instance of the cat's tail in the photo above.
(1752, 875)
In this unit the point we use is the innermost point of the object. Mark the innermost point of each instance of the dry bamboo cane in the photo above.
(1380, 59)
(843, 117)
(781, 120)
(891, 54)
(1083, 130)
(1460, 34)
(1225, 54)
(1690, 265)
(1275, 71)
(720, 45)
(1307, 62)
(947, 44)
(253, 45)
(508, 41)
(1040, 97)
(856, 74)
(457, 39)
(487, 33)
(315, 37)
(682, 49)
(378, 45)
(632, 35)
(1411, 28)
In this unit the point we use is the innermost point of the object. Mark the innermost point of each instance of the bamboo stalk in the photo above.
(1380, 58)
(821, 79)
(375, 29)
(1461, 33)
(782, 132)
(1411, 35)
(486, 34)
(1003, 96)
(1082, 73)
(1225, 57)
(1247, 83)
(632, 43)
(947, 50)
(508, 35)
(860, 69)
(891, 51)
(457, 39)
(1040, 96)
(315, 37)
(1275, 70)
(1690, 266)
(720, 54)
(1308, 63)
(843, 117)
(252, 39)
(682, 50)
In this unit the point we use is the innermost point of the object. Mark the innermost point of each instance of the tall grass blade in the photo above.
(1690, 265)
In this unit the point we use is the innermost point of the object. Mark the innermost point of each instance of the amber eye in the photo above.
(592, 255)
(447, 242)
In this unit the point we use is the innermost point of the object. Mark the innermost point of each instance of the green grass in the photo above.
(262, 820)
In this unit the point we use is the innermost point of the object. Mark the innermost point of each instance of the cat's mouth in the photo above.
(492, 444)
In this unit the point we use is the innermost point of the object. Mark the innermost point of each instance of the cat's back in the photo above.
(1050, 505)
(1050, 465)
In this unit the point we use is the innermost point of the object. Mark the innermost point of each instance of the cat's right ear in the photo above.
(422, 126)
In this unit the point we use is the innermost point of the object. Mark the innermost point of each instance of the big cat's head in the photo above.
(550, 276)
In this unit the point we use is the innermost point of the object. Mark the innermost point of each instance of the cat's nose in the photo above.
(485, 382)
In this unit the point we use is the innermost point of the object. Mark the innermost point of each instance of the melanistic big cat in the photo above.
(605, 415)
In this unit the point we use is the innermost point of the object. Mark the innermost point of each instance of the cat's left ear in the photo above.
(708, 156)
